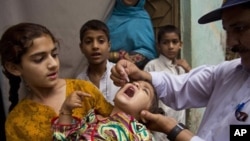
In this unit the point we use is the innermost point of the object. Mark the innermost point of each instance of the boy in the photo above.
(169, 46)
(95, 45)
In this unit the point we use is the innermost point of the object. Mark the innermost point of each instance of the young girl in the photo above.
(121, 125)
(29, 52)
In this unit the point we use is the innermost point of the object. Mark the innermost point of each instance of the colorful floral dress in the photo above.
(118, 127)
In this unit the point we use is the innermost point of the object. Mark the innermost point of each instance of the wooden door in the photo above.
(163, 12)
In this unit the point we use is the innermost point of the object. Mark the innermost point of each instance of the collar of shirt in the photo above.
(166, 61)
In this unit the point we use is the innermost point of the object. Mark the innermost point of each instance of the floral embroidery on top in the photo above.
(118, 127)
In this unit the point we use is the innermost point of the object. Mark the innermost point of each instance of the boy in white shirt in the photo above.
(95, 45)
(169, 46)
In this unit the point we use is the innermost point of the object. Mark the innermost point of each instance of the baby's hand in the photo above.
(74, 101)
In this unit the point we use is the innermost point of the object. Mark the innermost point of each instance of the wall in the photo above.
(203, 44)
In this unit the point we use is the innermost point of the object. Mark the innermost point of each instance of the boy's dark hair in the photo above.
(167, 29)
(94, 25)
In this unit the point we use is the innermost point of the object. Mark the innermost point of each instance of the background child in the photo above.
(121, 125)
(29, 54)
(169, 46)
(95, 45)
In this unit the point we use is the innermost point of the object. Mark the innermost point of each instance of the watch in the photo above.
(175, 131)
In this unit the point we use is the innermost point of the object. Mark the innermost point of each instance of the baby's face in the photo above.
(134, 97)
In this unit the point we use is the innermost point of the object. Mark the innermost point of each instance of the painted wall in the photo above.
(203, 44)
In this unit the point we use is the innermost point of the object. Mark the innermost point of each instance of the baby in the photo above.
(122, 124)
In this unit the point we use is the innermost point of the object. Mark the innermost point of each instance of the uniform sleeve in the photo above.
(185, 90)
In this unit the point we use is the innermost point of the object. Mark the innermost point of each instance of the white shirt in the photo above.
(218, 88)
(106, 85)
(162, 63)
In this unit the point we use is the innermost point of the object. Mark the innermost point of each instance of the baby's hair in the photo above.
(155, 104)
(94, 25)
(167, 29)
(14, 43)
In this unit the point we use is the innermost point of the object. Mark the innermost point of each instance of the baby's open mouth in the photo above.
(130, 92)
